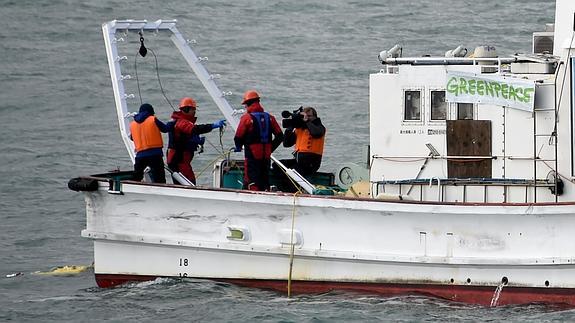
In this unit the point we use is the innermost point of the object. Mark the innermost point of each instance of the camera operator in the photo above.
(305, 130)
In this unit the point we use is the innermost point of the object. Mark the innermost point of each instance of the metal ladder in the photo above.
(552, 140)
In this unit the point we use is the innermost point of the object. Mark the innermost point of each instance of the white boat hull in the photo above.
(455, 251)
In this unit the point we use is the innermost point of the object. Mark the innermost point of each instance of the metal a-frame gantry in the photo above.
(111, 28)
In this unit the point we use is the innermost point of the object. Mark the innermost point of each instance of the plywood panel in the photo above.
(469, 138)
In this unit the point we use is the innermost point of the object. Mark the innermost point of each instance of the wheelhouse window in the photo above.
(464, 111)
(438, 105)
(412, 105)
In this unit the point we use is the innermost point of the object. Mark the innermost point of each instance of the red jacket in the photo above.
(258, 143)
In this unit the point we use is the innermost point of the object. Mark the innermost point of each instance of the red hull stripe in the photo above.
(481, 295)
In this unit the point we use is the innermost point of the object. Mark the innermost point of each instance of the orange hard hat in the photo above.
(187, 102)
(250, 95)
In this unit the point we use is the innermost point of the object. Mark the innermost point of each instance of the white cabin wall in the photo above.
(496, 115)
(382, 117)
(518, 149)
(403, 143)
(564, 11)
(390, 137)
(381, 108)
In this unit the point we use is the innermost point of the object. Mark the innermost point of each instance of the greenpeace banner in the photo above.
(491, 89)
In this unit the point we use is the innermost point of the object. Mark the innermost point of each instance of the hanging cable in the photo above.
(221, 149)
(220, 156)
(564, 73)
(137, 79)
(295, 185)
(160, 81)
(222, 130)
(143, 51)
(221, 152)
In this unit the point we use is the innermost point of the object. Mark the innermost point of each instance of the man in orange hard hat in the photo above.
(184, 138)
(254, 133)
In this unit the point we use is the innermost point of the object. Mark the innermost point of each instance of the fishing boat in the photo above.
(468, 193)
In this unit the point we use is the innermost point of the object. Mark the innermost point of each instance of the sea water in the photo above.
(58, 121)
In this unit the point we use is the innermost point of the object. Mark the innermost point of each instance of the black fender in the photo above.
(80, 184)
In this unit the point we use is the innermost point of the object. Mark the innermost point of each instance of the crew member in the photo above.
(145, 132)
(254, 133)
(308, 137)
(184, 138)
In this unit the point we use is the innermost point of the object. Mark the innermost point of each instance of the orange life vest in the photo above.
(146, 135)
(305, 143)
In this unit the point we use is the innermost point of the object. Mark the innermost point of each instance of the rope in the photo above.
(298, 188)
(224, 154)
(564, 76)
(295, 185)
(292, 247)
(220, 150)
(457, 160)
(137, 79)
(157, 75)
(402, 159)
(222, 130)
(556, 172)
(160, 80)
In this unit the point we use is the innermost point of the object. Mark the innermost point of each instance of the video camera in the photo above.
(293, 119)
